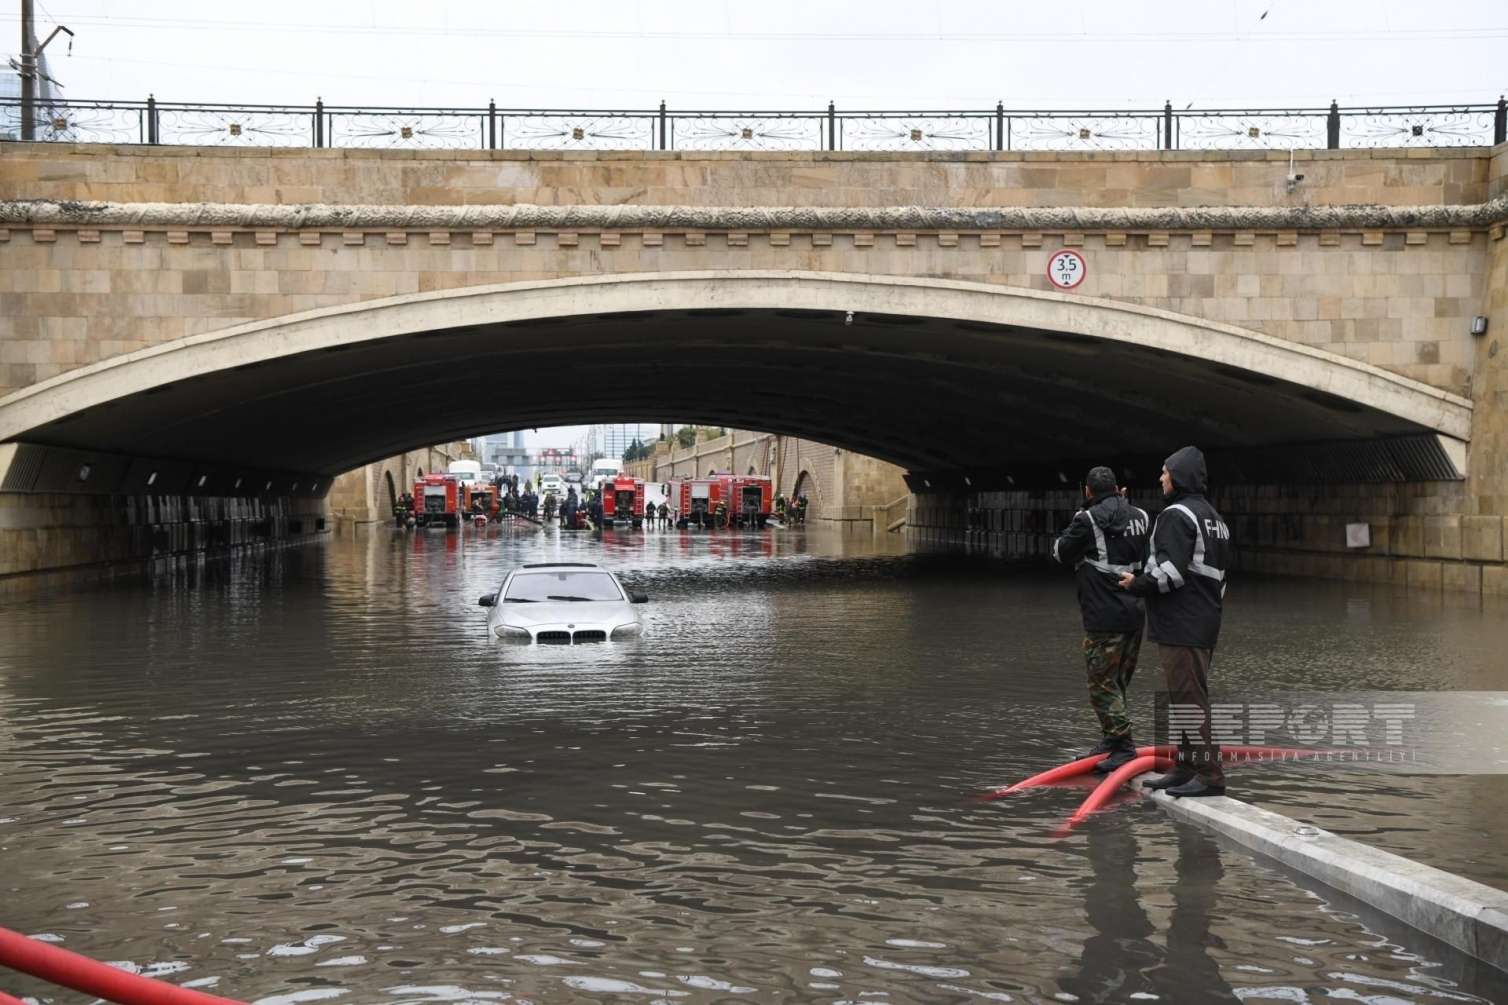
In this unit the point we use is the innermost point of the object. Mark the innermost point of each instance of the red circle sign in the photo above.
(1066, 269)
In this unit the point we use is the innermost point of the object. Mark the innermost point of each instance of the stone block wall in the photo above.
(1419, 535)
(104, 534)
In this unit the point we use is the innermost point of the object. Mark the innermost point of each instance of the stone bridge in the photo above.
(245, 324)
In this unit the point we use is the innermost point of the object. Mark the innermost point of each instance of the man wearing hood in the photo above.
(1184, 584)
(1104, 539)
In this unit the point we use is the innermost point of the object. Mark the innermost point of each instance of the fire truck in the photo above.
(696, 501)
(751, 499)
(623, 500)
(437, 501)
(478, 503)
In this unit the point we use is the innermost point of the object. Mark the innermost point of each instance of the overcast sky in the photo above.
(781, 53)
(776, 54)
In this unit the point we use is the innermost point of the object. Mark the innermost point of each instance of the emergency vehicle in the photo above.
(623, 501)
(437, 501)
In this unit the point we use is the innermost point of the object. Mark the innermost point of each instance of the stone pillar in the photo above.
(1482, 523)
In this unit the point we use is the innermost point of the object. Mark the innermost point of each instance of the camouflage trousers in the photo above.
(1110, 659)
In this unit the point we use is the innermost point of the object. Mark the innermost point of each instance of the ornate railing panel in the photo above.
(403, 129)
(1084, 131)
(227, 126)
(1255, 130)
(577, 131)
(1464, 126)
(491, 128)
(723, 131)
(920, 131)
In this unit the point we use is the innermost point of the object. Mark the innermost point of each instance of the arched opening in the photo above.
(933, 375)
(808, 489)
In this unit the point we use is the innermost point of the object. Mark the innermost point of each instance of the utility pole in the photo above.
(28, 73)
(31, 68)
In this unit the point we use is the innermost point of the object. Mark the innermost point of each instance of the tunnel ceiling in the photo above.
(924, 393)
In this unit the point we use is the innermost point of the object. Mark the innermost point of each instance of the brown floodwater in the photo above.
(309, 775)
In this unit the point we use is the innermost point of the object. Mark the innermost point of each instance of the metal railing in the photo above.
(493, 128)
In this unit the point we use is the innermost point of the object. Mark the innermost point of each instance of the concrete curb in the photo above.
(1460, 912)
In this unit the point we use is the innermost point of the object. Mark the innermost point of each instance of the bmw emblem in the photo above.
(570, 626)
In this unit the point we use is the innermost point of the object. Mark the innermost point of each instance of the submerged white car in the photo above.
(563, 603)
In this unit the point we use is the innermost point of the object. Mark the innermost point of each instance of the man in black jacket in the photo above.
(1184, 584)
(1104, 539)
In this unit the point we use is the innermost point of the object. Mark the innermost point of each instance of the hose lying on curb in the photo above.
(6, 999)
(71, 970)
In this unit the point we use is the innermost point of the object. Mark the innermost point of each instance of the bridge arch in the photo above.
(924, 372)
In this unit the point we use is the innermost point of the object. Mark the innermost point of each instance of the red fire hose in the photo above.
(1084, 765)
(1113, 781)
(6, 999)
(92, 977)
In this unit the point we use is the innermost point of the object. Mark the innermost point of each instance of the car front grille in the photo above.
(553, 638)
(591, 637)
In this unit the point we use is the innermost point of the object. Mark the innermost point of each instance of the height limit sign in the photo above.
(1066, 269)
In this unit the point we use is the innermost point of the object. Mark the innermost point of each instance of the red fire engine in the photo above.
(477, 502)
(695, 501)
(750, 499)
(623, 501)
(437, 501)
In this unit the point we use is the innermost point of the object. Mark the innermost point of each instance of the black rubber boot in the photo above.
(1179, 775)
(1103, 747)
(1122, 751)
(1195, 788)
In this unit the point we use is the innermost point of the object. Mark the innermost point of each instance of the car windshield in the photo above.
(561, 585)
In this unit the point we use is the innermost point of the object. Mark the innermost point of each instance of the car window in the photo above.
(543, 586)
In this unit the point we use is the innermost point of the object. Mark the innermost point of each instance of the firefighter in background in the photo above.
(720, 514)
(1106, 538)
(403, 509)
(1184, 585)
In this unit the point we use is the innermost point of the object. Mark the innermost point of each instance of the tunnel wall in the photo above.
(1420, 537)
(115, 534)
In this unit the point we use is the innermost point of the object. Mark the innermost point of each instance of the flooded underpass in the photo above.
(310, 775)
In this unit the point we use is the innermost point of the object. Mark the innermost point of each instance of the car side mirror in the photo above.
(487, 600)
(638, 598)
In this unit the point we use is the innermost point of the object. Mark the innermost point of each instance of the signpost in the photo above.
(1066, 269)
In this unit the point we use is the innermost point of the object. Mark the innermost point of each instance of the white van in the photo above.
(465, 472)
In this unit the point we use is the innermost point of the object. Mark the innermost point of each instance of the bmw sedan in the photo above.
(563, 603)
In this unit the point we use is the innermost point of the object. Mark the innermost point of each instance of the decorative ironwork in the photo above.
(1083, 132)
(1417, 127)
(581, 131)
(78, 122)
(956, 132)
(415, 130)
(997, 129)
(1253, 131)
(235, 127)
(706, 132)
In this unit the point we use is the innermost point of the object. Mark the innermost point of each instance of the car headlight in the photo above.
(510, 634)
(632, 630)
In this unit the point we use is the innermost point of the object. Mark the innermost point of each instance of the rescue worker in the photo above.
(1106, 538)
(1184, 585)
